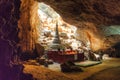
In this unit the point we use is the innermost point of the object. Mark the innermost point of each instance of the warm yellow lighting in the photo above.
(94, 41)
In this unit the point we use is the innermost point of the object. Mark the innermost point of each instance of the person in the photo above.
(92, 56)
(59, 52)
(75, 57)
(63, 51)
(58, 49)
(101, 54)
(86, 54)
(46, 59)
(80, 50)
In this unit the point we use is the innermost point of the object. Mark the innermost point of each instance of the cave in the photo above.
(38, 37)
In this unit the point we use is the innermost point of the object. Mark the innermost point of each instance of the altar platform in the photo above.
(60, 57)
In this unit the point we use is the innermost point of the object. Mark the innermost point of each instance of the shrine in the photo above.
(59, 39)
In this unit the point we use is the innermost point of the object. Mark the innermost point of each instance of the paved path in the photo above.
(108, 70)
(107, 74)
(93, 70)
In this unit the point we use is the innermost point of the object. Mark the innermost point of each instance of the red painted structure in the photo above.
(60, 57)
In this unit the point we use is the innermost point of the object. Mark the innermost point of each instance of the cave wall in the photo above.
(91, 35)
(95, 11)
(10, 50)
(28, 24)
(83, 13)
(9, 15)
(87, 16)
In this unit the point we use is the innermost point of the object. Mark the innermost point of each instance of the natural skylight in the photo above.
(49, 18)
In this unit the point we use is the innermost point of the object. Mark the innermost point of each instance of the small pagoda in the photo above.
(56, 44)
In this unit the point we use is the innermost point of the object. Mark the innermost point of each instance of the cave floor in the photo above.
(108, 70)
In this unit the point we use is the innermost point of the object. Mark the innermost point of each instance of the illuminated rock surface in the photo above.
(18, 21)
(90, 17)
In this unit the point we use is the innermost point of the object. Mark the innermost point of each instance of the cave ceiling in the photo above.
(99, 12)
(97, 17)
(93, 18)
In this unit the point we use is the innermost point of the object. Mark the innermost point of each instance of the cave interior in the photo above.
(28, 29)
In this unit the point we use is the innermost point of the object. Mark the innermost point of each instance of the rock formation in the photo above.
(88, 16)
(18, 21)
